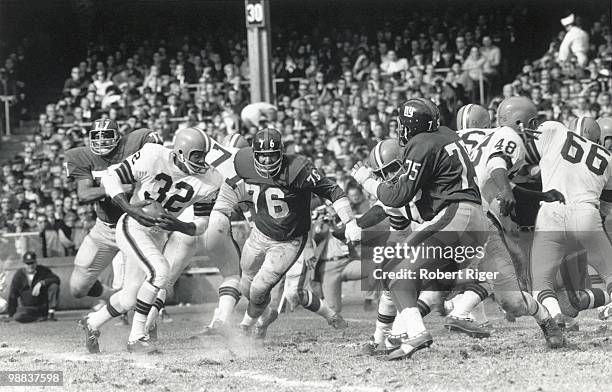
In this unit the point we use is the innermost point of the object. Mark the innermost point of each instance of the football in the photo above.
(154, 209)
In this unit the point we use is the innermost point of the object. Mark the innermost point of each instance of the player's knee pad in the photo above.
(512, 302)
(80, 282)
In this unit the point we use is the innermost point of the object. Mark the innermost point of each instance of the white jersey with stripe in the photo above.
(578, 168)
(400, 218)
(485, 144)
(157, 177)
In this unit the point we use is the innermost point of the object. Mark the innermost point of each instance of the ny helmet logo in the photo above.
(408, 111)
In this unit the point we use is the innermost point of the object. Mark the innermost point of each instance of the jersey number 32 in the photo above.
(163, 190)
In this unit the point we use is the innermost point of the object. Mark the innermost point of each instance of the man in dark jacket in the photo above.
(37, 288)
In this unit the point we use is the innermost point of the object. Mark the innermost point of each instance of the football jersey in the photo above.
(81, 163)
(571, 164)
(281, 203)
(401, 218)
(157, 177)
(438, 166)
(501, 142)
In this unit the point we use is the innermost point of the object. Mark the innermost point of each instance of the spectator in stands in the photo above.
(75, 81)
(575, 43)
(34, 292)
(18, 224)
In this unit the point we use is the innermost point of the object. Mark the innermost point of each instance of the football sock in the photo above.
(411, 317)
(158, 305)
(548, 298)
(536, 310)
(248, 320)
(592, 298)
(229, 295)
(472, 296)
(105, 313)
(384, 323)
(144, 302)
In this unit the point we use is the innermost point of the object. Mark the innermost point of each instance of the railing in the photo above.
(7, 111)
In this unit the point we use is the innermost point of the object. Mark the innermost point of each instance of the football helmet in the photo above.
(417, 115)
(188, 141)
(236, 140)
(386, 160)
(605, 125)
(473, 116)
(268, 142)
(104, 136)
(518, 113)
(586, 127)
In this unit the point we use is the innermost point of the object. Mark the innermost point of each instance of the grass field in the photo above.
(302, 353)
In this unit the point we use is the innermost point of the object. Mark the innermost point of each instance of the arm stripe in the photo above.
(122, 176)
(128, 172)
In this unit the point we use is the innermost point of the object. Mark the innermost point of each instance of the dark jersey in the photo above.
(82, 164)
(282, 203)
(439, 173)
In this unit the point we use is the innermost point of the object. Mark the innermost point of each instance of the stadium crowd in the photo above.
(336, 95)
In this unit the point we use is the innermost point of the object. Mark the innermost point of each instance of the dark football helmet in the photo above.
(104, 136)
(268, 152)
(417, 115)
(386, 160)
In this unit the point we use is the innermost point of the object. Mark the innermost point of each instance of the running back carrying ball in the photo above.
(154, 209)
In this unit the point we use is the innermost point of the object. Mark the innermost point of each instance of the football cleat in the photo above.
(605, 312)
(153, 332)
(371, 348)
(411, 345)
(142, 346)
(466, 326)
(91, 336)
(566, 323)
(245, 330)
(260, 330)
(216, 328)
(552, 333)
(337, 322)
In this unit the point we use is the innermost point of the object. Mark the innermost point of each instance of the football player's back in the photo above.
(575, 166)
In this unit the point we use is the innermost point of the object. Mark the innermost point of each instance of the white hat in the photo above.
(568, 20)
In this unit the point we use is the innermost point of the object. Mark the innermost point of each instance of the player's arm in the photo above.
(401, 192)
(309, 178)
(130, 171)
(198, 226)
(372, 217)
(76, 170)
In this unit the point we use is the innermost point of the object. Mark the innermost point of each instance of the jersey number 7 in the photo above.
(457, 150)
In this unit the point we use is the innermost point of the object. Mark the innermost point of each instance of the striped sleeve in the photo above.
(203, 208)
(124, 171)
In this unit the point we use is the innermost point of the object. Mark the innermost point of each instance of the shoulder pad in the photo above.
(79, 156)
(294, 166)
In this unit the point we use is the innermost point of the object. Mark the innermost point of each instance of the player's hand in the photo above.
(36, 289)
(127, 188)
(506, 202)
(361, 172)
(142, 217)
(170, 223)
(352, 231)
(553, 195)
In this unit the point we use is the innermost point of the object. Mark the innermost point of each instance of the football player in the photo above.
(176, 178)
(280, 186)
(85, 165)
(180, 248)
(581, 169)
(473, 116)
(498, 155)
(439, 178)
